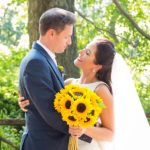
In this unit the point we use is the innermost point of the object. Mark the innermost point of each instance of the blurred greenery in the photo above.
(99, 17)
(9, 94)
(105, 20)
(13, 46)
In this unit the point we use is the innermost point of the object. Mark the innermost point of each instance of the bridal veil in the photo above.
(132, 131)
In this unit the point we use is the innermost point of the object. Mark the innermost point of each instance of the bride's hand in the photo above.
(76, 131)
(23, 103)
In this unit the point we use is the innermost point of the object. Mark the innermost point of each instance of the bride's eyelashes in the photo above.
(87, 51)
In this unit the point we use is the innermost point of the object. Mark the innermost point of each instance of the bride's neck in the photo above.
(87, 79)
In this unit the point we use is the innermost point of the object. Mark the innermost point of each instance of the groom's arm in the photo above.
(39, 85)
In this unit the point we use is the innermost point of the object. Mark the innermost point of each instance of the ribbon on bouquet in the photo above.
(73, 143)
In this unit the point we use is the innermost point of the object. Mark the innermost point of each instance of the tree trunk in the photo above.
(35, 9)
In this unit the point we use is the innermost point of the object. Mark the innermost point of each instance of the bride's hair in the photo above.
(104, 56)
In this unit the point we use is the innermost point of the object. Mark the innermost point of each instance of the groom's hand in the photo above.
(22, 102)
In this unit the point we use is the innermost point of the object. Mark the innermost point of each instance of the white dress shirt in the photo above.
(50, 53)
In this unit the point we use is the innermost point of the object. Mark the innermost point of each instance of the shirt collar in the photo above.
(50, 53)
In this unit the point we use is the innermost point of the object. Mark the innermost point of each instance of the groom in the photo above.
(40, 80)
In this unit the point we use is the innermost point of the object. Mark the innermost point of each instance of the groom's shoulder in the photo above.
(33, 56)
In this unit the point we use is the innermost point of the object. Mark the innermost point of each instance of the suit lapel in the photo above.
(50, 61)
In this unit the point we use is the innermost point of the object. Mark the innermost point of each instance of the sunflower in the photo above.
(71, 86)
(81, 108)
(66, 103)
(88, 121)
(95, 112)
(58, 98)
(78, 105)
(77, 92)
(69, 118)
(64, 91)
(57, 105)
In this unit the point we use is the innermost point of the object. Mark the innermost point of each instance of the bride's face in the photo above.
(85, 60)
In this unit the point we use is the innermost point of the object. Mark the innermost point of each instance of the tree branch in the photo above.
(111, 25)
(12, 122)
(131, 19)
(9, 142)
(101, 29)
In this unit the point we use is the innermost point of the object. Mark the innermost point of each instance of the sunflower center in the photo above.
(81, 107)
(92, 112)
(78, 93)
(87, 120)
(68, 104)
(71, 118)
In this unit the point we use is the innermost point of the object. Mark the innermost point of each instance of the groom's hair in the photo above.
(57, 19)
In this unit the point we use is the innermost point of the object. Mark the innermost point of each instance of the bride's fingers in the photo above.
(21, 98)
(75, 128)
(72, 131)
(76, 131)
(24, 109)
(23, 104)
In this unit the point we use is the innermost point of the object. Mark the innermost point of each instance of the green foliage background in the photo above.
(96, 17)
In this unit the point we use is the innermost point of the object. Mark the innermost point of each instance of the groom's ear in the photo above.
(51, 33)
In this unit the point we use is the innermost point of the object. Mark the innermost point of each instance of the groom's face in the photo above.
(62, 39)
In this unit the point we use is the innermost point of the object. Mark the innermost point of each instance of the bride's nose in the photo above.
(81, 52)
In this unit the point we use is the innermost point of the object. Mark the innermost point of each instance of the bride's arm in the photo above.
(68, 81)
(105, 132)
(23, 103)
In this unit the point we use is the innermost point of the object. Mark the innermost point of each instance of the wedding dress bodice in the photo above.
(94, 145)
(92, 86)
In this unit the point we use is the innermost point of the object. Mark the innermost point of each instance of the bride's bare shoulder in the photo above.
(103, 91)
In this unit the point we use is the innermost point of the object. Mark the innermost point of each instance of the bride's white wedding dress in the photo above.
(94, 145)
(132, 131)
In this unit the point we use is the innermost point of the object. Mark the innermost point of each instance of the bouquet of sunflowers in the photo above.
(79, 106)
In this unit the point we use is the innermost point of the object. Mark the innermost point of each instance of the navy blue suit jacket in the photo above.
(39, 81)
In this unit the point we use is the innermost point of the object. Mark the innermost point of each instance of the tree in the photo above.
(127, 24)
(35, 9)
(125, 13)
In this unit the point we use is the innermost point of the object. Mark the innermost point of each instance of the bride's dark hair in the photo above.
(104, 55)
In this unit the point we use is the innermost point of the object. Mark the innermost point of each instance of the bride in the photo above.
(122, 124)
(95, 62)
